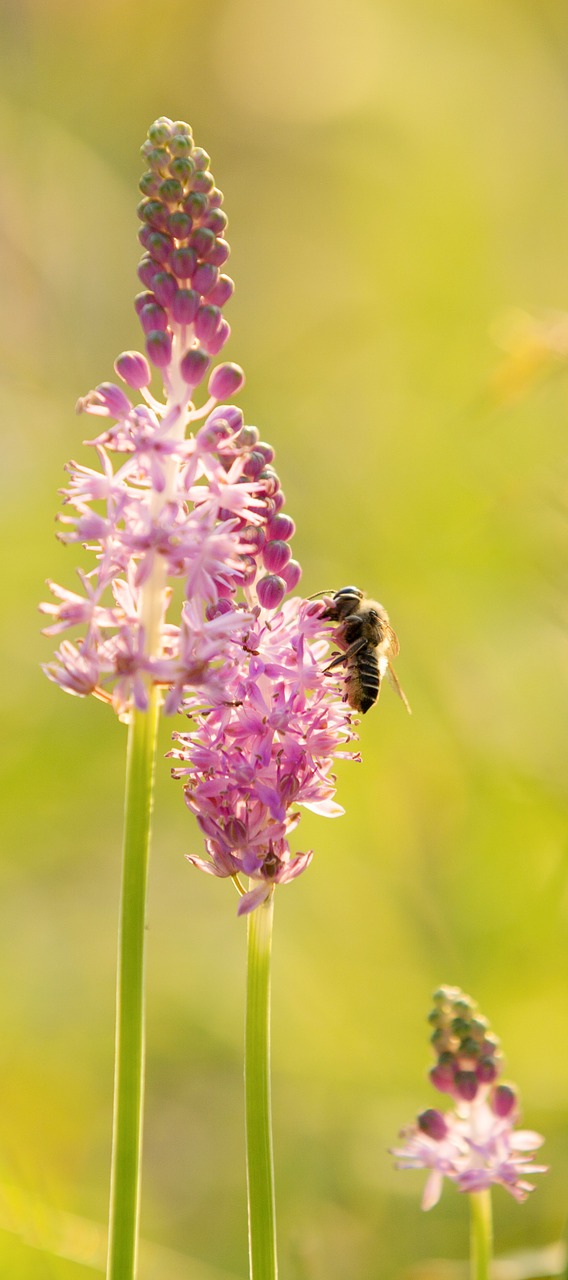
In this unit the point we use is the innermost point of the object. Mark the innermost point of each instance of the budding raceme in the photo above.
(167, 498)
(475, 1144)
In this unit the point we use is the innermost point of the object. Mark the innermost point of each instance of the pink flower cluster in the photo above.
(204, 508)
(251, 761)
(475, 1145)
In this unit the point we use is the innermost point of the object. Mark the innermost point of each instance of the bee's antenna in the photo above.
(321, 593)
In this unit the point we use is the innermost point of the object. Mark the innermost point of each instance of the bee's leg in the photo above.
(349, 653)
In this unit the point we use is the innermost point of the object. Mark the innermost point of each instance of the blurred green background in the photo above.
(396, 177)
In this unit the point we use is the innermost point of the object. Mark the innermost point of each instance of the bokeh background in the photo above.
(396, 177)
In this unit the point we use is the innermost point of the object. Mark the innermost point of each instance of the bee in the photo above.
(368, 644)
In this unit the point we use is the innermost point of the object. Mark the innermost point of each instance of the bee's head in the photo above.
(347, 600)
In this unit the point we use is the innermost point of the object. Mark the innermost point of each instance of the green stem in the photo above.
(481, 1234)
(129, 1045)
(260, 1172)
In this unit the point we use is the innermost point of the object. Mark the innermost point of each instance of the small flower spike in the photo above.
(475, 1144)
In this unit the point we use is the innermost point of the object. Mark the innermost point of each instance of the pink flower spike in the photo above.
(160, 504)
(475, 1144)
(265, 750)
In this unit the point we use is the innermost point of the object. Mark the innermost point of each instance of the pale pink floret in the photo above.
(479, 1149)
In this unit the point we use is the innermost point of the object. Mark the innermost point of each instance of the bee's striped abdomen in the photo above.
(364, 680)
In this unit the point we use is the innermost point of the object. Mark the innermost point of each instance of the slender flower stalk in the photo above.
(129, 1051)
(475, 1144)
(481, 1234)
(258, 1115)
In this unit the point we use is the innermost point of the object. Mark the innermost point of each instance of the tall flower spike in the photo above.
(203, 509)
(475, 1144)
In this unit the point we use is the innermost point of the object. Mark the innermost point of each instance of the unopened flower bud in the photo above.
(152, 213)
(202, 240)
(143, 299)
(153, 316)
(204, 278)
(170, 190)
(182, 167)
(179, 225)
(266, 450)
(185, 305)
(271, 591)
(487, 1071)
(280, 526)
(292, 573)
(202, 181)
(247, 437)
(159, 132)
(159, 246)
(442, 1077)
(216, 610)
(228, 413)
(207, 322)
(253, 464)
(466, 1085)
(277, 499)
(146, 270)
(254, 537)
(194, 365)
(217, 221)
(219, 253)
(165, 288)
(195, 204)
(134, 369)
(275, 556)
(113, 399)
(432, 1123)
(225, 381)
(270, 481)
(216, 343)
(222, 291)
(248, 566)
(183, 262)
(159, 347)
(503, 1100)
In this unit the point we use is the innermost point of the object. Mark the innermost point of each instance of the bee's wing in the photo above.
(392, 638)
(397, 688)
